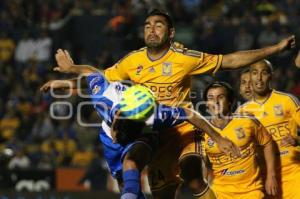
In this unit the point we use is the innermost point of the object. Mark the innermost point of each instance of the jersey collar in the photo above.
(160, 58)
(265, 100)
(222, 128)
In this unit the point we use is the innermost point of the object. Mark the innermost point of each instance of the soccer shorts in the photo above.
(114, 153)
(174, 143)
(221, 193)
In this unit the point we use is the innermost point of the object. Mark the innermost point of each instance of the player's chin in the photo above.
(248, 96)
(153, 44)
(261, 92)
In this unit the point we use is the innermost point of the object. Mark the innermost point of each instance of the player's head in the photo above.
(158, 29)
(219, 97)
(261, 76)
(125, 131)
(245, 84)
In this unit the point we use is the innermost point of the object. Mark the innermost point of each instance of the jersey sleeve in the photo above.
(244, 110)
(97, 84)
(294, 107)
(166, 117)
(261, 134)
(296, 116)
(203, 63)
(118, 71)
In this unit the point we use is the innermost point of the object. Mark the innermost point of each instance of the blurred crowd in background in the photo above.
(100, 32)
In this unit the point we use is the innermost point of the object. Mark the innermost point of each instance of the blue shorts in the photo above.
(114, 153)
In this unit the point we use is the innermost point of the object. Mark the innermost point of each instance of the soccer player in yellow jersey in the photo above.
(237, 177)
(167, 72)
(280, 113)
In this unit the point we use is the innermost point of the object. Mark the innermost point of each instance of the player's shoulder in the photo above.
(244, 106)
(279, 95)
(243, 115)
(246, 116)
(186, 52)
(133, 54)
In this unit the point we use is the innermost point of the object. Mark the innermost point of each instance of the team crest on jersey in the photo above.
(94, 81)
(139, 70)
(96, 89)
(167, 69)
(278, 110)
(210, 142)
(240, 133)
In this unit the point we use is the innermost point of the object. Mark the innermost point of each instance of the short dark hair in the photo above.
(159, 12)
(219, 84)
(128, 130)
(247, 70)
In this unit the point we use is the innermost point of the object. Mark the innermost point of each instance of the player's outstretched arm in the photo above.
(244, 58)
(59, 85)
(69, 85)
(271, 185)
(225, 145)
(66, 65)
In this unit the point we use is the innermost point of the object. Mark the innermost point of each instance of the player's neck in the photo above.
(262, 97)
(157, 53)
(221, 121)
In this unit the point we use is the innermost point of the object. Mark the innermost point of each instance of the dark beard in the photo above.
(154, 46)
(263, 93)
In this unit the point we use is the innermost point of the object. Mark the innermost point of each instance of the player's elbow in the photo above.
(231, 61)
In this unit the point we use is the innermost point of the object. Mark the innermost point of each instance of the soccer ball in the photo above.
(137, 103)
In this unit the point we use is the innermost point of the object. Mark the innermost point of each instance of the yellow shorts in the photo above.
(174, 143)
(255, 194)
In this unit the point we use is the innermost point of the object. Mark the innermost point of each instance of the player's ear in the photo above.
(172, 33)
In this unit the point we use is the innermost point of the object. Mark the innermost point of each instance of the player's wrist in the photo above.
(271, 174)
(279, 47)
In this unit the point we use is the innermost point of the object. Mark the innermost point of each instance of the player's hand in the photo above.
(64, 61)
(55, 84)
(288, 140)
(287, 43)
(297, 60)
(228, 147)
(271, 185)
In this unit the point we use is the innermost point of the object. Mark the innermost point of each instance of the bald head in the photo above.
(263, 64)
